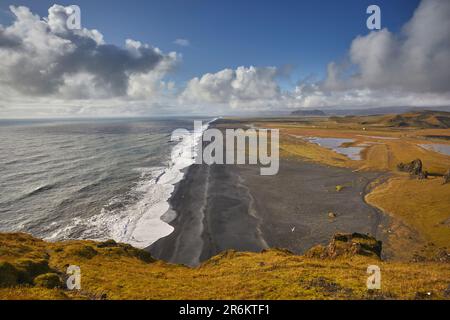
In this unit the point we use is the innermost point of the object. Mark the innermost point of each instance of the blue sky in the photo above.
(304, 35)
(238, 57)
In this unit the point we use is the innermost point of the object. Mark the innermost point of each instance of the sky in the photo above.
(158, 57)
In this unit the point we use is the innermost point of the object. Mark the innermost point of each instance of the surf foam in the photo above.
(139, 223)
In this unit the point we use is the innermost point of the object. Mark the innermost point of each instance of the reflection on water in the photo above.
(441, 148)
(378, 137)
(335, 144)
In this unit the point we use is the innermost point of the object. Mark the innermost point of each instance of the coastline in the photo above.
(155, 211)
(222, 207)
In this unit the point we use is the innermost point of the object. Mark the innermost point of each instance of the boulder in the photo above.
(422, 175)
(332, 215)
(414, 168)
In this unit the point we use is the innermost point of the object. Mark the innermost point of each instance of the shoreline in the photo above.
(223, 207)
(156, 215)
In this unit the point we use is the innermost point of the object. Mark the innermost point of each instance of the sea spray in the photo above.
(139, 222)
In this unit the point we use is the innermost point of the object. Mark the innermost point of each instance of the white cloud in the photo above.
(46, 69)
(182, 42)
(414, 61)
(43, 58)
(384, 69)
(243, 87)
(313, 96)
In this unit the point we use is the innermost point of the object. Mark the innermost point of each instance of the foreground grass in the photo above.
(422, 204)
(122, 272)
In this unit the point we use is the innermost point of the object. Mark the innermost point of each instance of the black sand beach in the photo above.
(222, 207)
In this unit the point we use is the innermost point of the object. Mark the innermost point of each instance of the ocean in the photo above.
(92, 179)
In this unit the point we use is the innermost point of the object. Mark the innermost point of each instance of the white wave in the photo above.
(139, 223)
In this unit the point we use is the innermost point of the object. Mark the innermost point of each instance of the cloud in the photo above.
(43, 58)
(313, 96)
(9, 41)
(242, 87)
(411, 68)
(416, 60)
(54, 71)
(182, 42)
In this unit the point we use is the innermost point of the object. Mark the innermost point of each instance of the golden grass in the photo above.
(32, 293)
(122, 272)
(304, 150)
(274, 274)
(378, 154)
(422, 204)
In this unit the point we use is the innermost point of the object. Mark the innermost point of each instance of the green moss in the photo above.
(29, 269)
(81, 251)
(122, 249)
(144, 256)
(9, 275)
(318, 251)
(48, 280)
(107, 244)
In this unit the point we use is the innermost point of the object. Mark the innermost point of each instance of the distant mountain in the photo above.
(416, 119)
(309, 113)
(336, 111)
(381, 110)
(423, 119)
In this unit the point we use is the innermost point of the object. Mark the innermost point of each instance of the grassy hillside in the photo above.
(421, 119)
(423, 205)
(117, 271)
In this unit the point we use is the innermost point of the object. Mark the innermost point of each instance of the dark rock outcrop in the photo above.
(446, 177)
(414, 168)
(348, 244)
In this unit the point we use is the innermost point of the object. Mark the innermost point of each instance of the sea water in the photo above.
(92, 179)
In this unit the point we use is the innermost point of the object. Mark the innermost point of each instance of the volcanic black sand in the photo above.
(223, 207)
